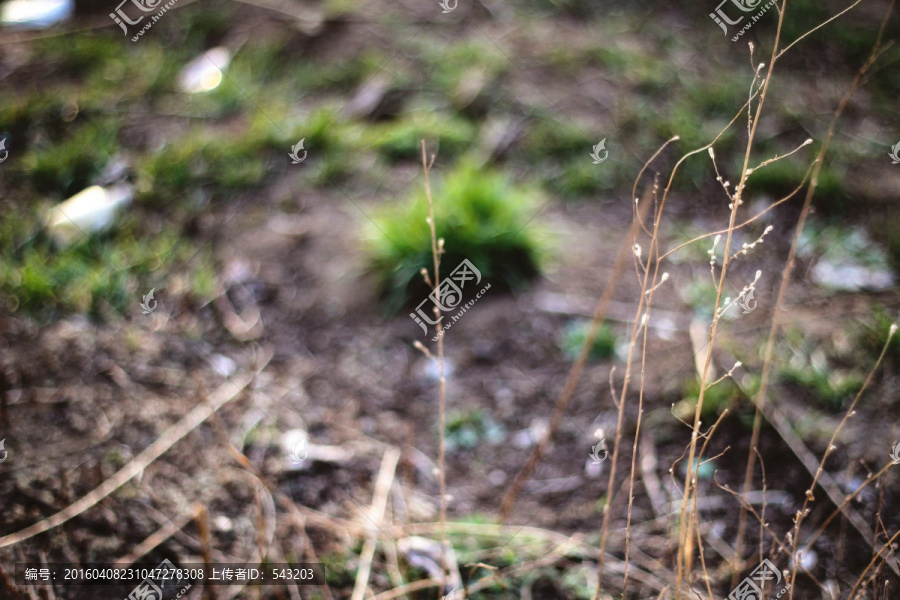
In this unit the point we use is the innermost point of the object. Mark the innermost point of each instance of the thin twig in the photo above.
(376, 514)
(225, 393)
(437, 248)
(685, 544)
(760, 399)
(574, 376)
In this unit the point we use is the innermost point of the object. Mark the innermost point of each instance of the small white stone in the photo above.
(223, 365)
(223, 523)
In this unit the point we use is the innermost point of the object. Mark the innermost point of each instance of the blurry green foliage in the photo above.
(44, 281)
(468, 429)
(575, 333)
(874, 333)
(400, 139)
(832, 387)
(716, 399)
(67, 165)
(482, 217)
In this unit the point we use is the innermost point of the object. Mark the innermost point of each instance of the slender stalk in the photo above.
(436, 249)
(779, 303)
(685, 554)
(637, 324)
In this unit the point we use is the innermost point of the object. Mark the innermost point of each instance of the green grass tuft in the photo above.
(480, 214)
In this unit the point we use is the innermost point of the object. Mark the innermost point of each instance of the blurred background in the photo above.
(237, 187)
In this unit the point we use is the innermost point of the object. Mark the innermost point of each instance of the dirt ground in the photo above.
(297, 340)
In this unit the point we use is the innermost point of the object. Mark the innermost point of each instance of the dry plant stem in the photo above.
(798, 520)
(685, 554)
(700, 455)
(638, 323)
(634, 449)
(155, 539)
(782, 545)
(755, 217)
(574, 376)
(653, 576)
(859, 581)
(299, 512)
(414, 586)
(201, 516)
(819, 26)
(762, 510)
(811, 463)
(653, 251)
(260, 524)
(376, 514)
(785, 280)
(840, 509)
(222, 395)
(426, 167)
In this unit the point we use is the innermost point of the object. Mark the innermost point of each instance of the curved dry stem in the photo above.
(801, 514)
(872, 562)
(785, 280)
(699, 536)
(845, 504)
(823, 24)
(748, 221)
(782, 545)
(574, 376)
(638, 323)
(640, 175)
(685, 554)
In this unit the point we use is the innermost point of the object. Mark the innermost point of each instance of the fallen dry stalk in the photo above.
(376, 514)
(220, 397)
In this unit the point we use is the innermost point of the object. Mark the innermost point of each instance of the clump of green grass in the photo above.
(66, 166)
(482, 217)
(94, 276)
(873, 335)
(557, 138)
(87, 277)
(575, 333)
(203, 159)
(831, 387)
(399, 140)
